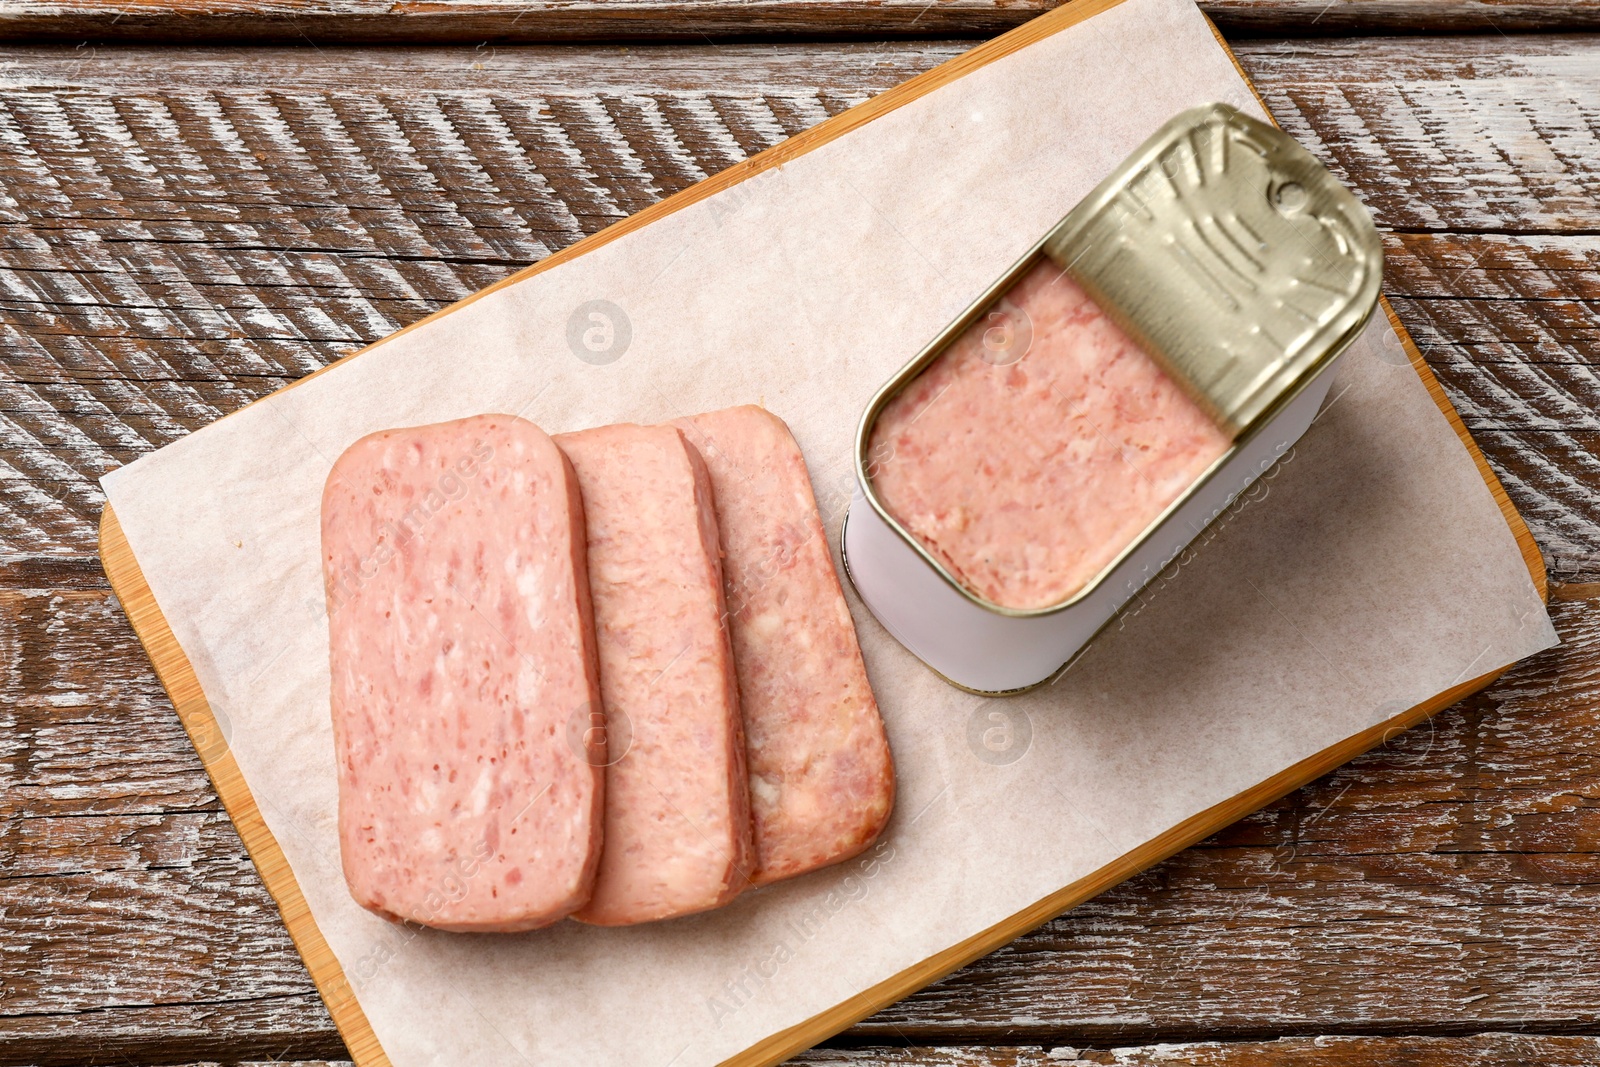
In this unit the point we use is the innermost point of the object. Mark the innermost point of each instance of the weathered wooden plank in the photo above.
(506, 21)
(1552, 478)
(1482, 1050)
(85, 729)
(1442, 884)
(1317, 17)
(210, 936)
(180, 236)
(1477, 1050)
(1462, 134)
(525, 71)
(182, 233)
(268, 1029)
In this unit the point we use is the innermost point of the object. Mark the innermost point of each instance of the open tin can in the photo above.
(1183, 322)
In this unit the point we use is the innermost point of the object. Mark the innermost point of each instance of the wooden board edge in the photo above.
(183, 686)
(177, 674)
(1519, 527)
(1198, 827)
(1192, 830)
(831, 129)
(178, 677)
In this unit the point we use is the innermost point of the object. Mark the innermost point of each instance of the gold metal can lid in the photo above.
(1231, 255)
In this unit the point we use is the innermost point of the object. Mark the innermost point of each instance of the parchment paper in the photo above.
(1369, 572)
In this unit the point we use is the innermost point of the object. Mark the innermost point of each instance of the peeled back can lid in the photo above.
(1230, 254)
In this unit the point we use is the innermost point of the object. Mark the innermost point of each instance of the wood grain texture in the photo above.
(205, 727)
(1442, 884)
(508, 21)
(1479, 1050)
(179, 680)
(184, 232)
(179, 236)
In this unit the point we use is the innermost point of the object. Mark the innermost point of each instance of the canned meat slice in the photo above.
(821, 780)
(677, 821)
(460, 648)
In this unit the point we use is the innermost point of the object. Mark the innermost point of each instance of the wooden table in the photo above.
(230, 195)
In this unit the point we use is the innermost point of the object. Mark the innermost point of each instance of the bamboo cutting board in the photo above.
(182, 684)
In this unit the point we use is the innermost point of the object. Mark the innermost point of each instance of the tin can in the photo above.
(1231, 258)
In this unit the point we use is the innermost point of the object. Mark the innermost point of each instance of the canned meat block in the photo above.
(821, 780)
(677, 822)
(460, 648)
(1038, 445)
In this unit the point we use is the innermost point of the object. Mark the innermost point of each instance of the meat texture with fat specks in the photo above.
(462, 654)
(677, 822)
(821, 778)
(1037, 446)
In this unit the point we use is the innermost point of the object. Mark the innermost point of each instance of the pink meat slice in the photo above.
(1026, 476)
(677, 818)
(462, 654)
(821, 778)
